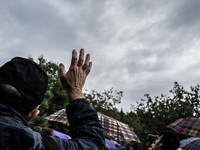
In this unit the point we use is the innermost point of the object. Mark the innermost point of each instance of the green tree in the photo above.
(55, 97)
(122, 116)
(156, 114)
(105, 102)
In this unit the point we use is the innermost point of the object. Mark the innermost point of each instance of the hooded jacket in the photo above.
(86, 130)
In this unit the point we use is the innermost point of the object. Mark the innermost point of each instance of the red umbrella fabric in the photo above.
(189, 126)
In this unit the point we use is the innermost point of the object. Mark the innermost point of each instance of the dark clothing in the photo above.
(86, 130)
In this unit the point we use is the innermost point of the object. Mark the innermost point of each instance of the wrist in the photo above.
(75, 94)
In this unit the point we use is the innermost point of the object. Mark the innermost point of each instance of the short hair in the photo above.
(170, 141)
(10, 96)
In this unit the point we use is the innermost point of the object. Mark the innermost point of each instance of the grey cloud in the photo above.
(185, 14)
(139, 8)
(36, 22)
(48, 25)
(136, 46)
(145, 60)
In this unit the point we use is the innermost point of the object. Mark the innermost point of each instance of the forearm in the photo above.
(84, 124)
(86, 130)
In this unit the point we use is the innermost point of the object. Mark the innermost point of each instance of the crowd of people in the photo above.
(23, 84)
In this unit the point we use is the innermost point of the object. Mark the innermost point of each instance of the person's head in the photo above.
(22, 85)
(170, 141)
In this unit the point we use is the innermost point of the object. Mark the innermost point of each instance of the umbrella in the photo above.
(191, 143)
(189, 126)
(116, 128)
(112, 126)
(59, 116)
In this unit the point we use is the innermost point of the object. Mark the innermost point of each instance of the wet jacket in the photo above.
(86, 130)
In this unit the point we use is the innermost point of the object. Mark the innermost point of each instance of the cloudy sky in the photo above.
(136, 46)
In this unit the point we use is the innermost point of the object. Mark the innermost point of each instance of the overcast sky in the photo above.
(136, 46)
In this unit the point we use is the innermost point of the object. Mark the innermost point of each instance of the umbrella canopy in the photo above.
(116, 128)
(191, 143)
(189, 126)
(112, 126)
(59, 116)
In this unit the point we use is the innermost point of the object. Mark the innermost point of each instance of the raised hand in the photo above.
(74, 79)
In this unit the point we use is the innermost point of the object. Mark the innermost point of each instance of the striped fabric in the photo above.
(59, 116)
(190, 144)
(187, 141)
(116, 128)
(189, 126)
(112, 126)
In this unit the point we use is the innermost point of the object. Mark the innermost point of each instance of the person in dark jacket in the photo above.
(22, 88)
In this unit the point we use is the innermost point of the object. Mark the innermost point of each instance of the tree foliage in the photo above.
(155, 114)
(105, 102)
(55, 97)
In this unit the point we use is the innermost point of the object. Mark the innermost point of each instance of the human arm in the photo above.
(85, 127)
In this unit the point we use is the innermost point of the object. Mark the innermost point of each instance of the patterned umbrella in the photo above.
(59, 116)
(116, 128)
(112, 126)
(189, 126)
(191, 143)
